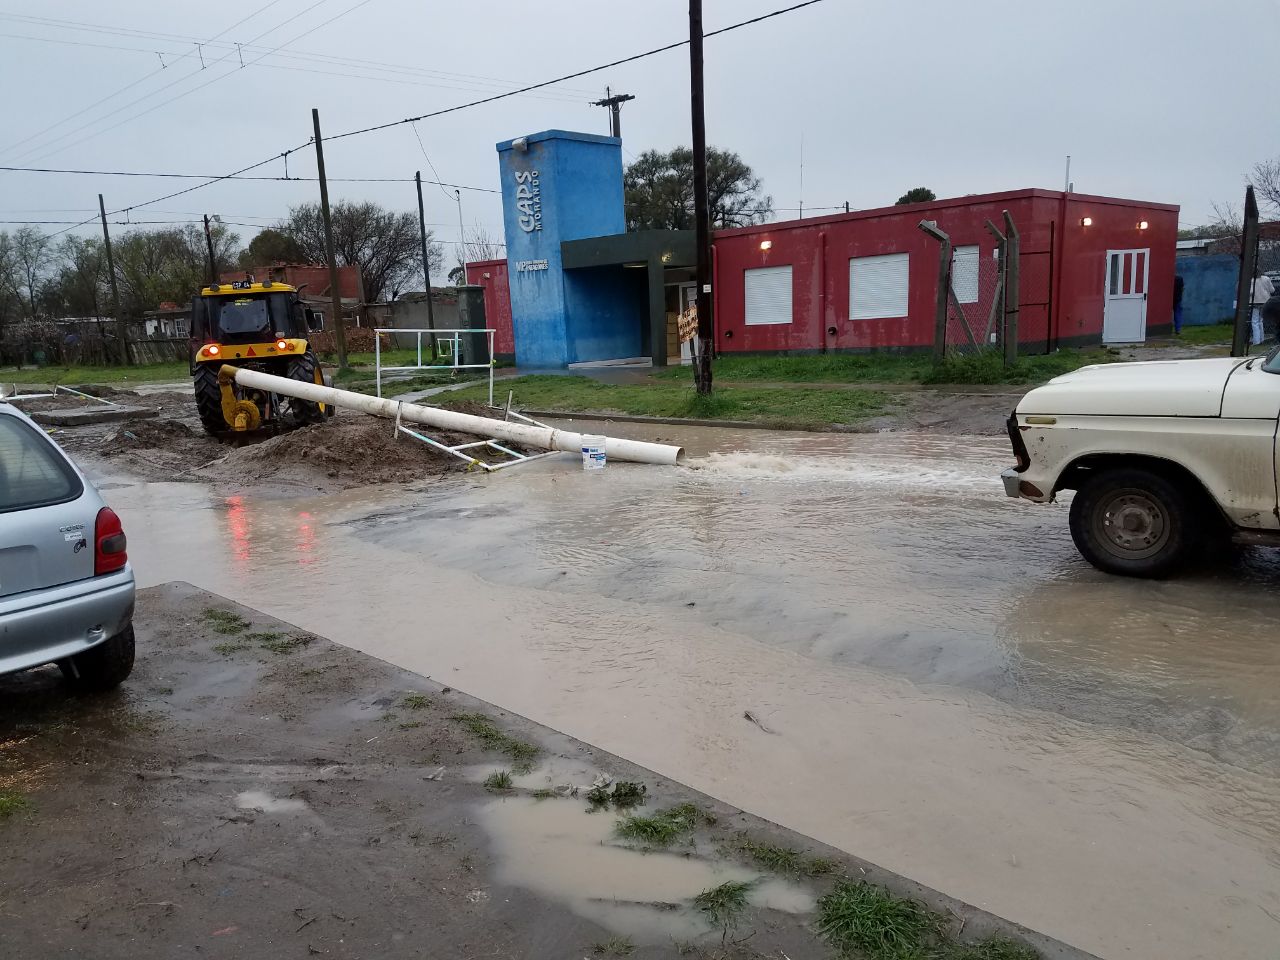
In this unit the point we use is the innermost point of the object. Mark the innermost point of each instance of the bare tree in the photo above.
(33, 253)
(1266, 183)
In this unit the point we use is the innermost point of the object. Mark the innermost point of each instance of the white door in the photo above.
(688, 298)
(1124, 312)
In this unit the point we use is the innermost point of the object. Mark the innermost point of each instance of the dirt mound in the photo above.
(147, 434)
(344, 452)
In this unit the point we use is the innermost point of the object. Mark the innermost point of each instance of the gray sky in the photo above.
(1156, 101)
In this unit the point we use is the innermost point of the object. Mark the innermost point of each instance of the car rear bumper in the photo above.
(1011, 478)
(41, 626)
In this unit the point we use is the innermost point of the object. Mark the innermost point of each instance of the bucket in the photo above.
(593, 456)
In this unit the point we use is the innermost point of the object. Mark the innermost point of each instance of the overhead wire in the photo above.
(454, 109)
(213, 176)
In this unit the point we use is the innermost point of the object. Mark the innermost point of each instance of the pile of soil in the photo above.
(348, 451)
(145, 434)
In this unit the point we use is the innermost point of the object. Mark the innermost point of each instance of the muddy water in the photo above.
(950, 691)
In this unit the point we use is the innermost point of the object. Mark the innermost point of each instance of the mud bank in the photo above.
(258, 791)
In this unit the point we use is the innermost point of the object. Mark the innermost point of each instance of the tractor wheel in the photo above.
(209, 399)
(305, 368)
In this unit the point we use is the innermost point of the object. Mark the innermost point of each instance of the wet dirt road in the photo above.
(942, 686)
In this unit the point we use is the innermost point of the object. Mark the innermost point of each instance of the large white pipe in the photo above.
(545, 438)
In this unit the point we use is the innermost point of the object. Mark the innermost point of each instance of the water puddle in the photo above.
(264, 802)
(558, 850)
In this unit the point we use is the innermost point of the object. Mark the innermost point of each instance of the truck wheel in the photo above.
(103, 667)
(209, 399)
(305, 368)
(1134, 523)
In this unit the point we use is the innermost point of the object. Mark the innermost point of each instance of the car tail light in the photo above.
(282, 345)
(212, 350)
(108, 543)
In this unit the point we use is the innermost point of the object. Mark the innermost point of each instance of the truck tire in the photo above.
(305, 368)
(103, 667)
(209, 399)
(1135, 523)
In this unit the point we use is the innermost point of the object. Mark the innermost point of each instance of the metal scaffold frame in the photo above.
(458, 450)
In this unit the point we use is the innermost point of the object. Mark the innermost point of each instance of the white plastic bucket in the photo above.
(593, 456)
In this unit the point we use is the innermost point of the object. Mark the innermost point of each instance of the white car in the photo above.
(1166, 457)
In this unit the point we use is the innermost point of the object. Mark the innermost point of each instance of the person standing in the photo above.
(1177, 304)
(1263, 288)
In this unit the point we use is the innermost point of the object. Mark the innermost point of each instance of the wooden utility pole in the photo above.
(943, 299)
(701, 203)
(208, 242)
(426, 265)
(1013, 252)
(335, 295)
(121, 333)
(1248, 267)
(614, 103)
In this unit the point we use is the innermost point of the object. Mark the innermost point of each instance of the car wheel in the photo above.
(103, 667)
(209, 400)
(1134, 523)
(305, 368)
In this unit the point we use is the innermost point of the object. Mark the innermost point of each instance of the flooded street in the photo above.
(941, 685)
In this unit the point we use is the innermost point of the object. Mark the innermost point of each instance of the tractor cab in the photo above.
(265, 326)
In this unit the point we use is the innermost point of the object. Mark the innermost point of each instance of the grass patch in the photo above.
(487, 732)
(988, 367)
(544, 794)
(622, 796)
(228, 647)
(862, 920)
(771, 405)
(782, 860)
(141, 373)
(819, 368)
(615, 947)
(497, 781)
(1206, 335)
(281, 642)
(410, 725)
(416, 701)
(11, 803)
(664, 827)
(993, 948)
(224, 621)
(723, 905)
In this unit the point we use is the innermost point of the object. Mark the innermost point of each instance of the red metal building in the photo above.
(492, 275)
(1092, 269)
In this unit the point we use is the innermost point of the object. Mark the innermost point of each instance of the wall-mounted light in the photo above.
(666, 256)
(1142, 224)
(1086, 221)
(766, 244)
(488, 276)
(521, 144)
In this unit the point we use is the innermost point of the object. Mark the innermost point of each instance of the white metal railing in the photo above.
(453, 341)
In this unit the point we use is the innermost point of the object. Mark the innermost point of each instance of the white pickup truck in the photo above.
(1166, 457)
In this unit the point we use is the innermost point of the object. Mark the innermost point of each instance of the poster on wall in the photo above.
(687, 323)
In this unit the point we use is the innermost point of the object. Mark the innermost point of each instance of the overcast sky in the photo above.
(1170, 101)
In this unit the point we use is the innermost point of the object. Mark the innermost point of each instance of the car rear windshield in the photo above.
(32, 473)
(242, 315)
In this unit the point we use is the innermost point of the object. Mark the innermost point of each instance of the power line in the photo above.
(260, 10)
(352, 133)
(572, 76)
(212, 176)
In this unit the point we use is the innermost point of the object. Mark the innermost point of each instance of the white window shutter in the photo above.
(878, 286)
(964, 273)
(768, 295)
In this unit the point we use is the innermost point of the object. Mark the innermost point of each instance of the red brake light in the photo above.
(108, 543)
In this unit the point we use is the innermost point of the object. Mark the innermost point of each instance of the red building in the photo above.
(492, 275)
(315, 276)
(1092, 269)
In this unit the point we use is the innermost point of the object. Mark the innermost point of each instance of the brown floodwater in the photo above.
(945, 687)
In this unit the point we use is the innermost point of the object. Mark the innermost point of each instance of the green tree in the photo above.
(382, 242)
(658, 191)
(271, 246)
(916, 195)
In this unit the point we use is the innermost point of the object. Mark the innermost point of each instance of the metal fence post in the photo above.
(1013, 251)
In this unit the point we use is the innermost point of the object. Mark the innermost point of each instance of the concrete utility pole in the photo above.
(335, 295)
(614, 103)
(208, 242)
(121, 333)
(426, 265)
(701, 203)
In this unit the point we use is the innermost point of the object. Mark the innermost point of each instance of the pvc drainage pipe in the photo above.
(545, 438)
